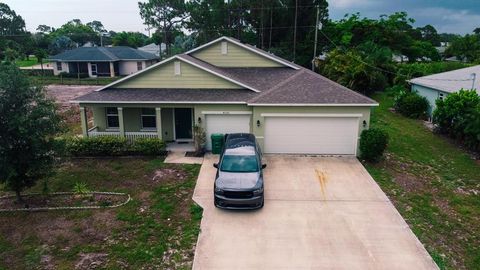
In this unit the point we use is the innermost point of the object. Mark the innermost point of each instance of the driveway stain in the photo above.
(322, 179)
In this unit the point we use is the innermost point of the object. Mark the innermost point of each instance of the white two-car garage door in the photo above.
(311, 135)
(226, 123)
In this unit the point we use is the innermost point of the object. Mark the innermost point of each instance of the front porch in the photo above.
(166, 123)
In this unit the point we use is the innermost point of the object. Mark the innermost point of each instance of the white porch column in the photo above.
(112, 70)
(121, 125)
(83, 120)
(158, 118)
(89, 67)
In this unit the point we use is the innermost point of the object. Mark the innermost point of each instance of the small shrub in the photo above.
(411, 105)
(458, 115)
(80, 188)
(109, 146)
(96, 146)
(373, 143)
(148, 146)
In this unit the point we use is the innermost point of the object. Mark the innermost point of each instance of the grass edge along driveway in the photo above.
(433, 184)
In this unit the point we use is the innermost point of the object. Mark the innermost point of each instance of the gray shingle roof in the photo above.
(167, 95)
(279, 85)
(102, 54)
(451, 81)
(307, 87)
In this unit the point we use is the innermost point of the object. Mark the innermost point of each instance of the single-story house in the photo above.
(439, 86)
(102, 61)
(226, 86)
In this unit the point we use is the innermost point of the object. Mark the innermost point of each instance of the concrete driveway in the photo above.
(319, 213)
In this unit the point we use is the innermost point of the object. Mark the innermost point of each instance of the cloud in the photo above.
(348, 4)
(447, 20)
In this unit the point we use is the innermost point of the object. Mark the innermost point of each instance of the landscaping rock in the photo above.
(91, 260)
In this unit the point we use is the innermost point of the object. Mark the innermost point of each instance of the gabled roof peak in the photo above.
(248, 47)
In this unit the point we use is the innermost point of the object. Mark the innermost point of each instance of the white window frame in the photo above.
(143, 128)
(59, 66)
(111, 115)
(139, 66)
(94, 73)
(224, 47)
(177, 68)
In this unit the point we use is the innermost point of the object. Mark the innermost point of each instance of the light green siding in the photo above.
(236, 57)
(200, 109)
(99, 118)
(132, 114)
(163, 77)
(431, 94)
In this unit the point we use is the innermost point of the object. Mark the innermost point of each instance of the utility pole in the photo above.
(316, 38)
(295, 31)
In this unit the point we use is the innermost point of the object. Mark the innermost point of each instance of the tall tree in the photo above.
(430, 34)
(41, 54)
(44, 29)
(77, 32)
(11, 24)
(165, 16)
(29, 124)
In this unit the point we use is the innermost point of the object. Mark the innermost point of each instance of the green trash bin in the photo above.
(217, 143)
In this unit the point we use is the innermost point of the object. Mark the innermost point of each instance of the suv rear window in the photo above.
(239, 163)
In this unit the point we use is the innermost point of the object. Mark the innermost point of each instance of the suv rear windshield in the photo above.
(239, 163)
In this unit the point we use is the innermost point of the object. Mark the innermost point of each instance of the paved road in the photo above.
(320, 213)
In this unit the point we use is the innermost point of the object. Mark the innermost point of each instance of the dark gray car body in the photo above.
(239, 190)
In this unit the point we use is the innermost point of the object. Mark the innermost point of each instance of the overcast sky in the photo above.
(453, 16)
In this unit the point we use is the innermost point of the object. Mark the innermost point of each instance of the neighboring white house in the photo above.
(153, 48)
(440, 85)
(102, 61)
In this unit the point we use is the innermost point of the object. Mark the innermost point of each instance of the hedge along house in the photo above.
(102, 61)
(439, 86)
(225, 86)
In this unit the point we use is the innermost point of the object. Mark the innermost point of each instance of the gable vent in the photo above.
(177, 70)
(224, 47)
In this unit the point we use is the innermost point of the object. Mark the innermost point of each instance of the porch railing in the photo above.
(129, 135)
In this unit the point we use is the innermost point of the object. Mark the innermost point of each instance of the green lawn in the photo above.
(156, 230)
(27, 63)
(434, 185)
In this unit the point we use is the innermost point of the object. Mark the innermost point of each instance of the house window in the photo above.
(94, 69)
(440, 96)
(139, 66)
(224, 47)
(177, 68)
(148, 118)
(59, 66)
(112, 118)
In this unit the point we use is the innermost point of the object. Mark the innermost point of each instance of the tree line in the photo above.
(356, 51)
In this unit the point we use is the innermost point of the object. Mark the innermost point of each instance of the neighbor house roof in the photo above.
(451, 81)
(153, 48)
(102, 54)
(289, 85)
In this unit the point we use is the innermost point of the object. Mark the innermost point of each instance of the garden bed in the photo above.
(63, 201)
(157, 229)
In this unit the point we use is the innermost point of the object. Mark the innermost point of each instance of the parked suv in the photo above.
(239, 179)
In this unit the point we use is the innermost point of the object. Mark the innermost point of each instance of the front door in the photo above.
(183, 123)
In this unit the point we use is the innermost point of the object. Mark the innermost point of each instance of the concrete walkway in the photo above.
(320, 213)
(180, 158)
